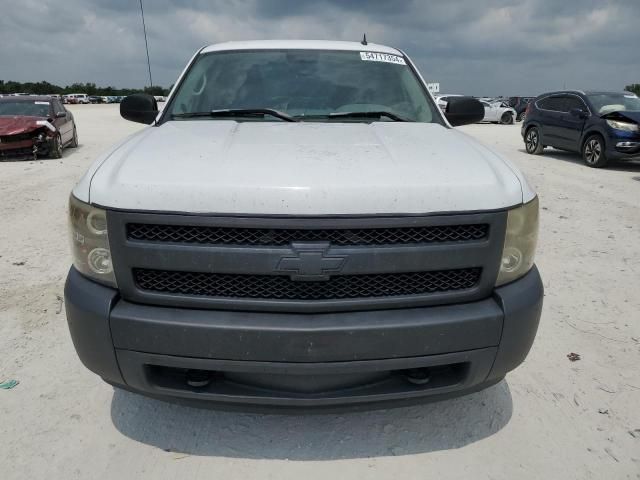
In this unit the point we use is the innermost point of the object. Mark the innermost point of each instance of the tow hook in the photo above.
(198, 378)
(417, 376)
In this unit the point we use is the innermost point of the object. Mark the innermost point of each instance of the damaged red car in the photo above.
(35, 127)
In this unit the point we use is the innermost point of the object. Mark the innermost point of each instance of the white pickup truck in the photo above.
(301, 227)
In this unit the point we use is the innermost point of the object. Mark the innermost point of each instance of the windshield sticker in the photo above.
(41, 103)
(382, 57)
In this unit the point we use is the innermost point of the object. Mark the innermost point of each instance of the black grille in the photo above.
(283, 288)
(271, 236)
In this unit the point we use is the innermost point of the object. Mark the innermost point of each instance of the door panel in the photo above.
(65, 124)
(572, 125)
(551, 114)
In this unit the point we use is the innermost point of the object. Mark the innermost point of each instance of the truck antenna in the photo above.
(144, 28)
(364, 39)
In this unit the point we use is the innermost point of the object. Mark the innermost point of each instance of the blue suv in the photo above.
(602, 126)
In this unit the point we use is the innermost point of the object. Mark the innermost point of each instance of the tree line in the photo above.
(46, 88)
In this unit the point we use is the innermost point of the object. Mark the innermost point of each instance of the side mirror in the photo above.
(61, 115)
(578, 112)
(139, 107)
(463, 111)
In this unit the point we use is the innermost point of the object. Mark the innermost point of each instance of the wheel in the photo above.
(532, 141)
(507, 118)
(74, 140)
(593, 152)
(520, 116)
(56, 147)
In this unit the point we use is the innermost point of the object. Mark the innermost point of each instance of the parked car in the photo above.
(35, 126)
(602, 126)
(519, 104)
(340, 243)
(95, 99)
(82, 98)
(498, 112)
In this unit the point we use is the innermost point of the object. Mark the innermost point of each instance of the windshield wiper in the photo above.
(237, 112)
(374, 114)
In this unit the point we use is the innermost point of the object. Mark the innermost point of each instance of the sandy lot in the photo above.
(551, 418)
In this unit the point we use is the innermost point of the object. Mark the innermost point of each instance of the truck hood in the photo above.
(15, 125)
(268, 168)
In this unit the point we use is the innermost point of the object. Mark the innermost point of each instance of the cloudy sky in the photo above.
(479, 47)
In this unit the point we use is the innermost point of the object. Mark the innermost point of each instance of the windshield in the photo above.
(28, 109)
(614, 102)
(304, 84)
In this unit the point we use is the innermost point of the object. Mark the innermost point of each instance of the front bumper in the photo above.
(624, 150)
(622, 145)
(303, 360)
(25, 148)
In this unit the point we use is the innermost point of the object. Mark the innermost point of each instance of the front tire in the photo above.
(56, 147)
(593, 152)
(532, 142)
(507, 118)
(520, 117)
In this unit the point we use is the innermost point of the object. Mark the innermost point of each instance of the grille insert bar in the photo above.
(276, 237)
(283, 288)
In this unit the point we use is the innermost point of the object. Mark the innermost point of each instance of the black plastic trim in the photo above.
(129, 254)
(521, 301)
(88, 306)
(326, 337)
(137, 375)
(491, 337)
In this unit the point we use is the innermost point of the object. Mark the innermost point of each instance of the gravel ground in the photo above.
(551, 418)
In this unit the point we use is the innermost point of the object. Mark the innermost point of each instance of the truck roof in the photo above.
(301, 45)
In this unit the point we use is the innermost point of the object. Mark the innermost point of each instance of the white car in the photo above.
(302, 227)
(78, 98)
(498, 112)
(442, 100)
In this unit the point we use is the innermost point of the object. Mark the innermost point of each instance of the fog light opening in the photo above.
(417, 376)
(199, 378)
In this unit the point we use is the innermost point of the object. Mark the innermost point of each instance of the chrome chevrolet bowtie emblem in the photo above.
(310, 262)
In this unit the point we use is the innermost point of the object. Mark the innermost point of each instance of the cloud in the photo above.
(484, 48)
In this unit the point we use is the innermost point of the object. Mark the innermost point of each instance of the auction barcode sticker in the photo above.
(382, 57)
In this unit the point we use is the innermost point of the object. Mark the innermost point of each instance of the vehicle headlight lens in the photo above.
(90, 242)
(519, 243)
(624, 126)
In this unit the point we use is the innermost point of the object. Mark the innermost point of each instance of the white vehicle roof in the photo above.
(300, 44)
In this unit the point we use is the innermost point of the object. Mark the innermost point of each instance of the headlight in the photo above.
(90, 242)
(519, 243)
(624, 126)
